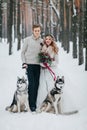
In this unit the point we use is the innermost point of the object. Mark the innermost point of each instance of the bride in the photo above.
(48, 74)
(49, 61)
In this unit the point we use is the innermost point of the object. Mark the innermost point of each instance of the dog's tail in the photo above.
(70, 113)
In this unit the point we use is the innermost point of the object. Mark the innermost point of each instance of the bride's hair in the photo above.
(53, 43)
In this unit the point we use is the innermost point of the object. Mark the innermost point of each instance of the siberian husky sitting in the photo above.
(53, 101)
(20, 99)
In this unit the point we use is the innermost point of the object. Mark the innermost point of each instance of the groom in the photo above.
(29, 55)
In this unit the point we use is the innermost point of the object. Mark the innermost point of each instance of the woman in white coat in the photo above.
(48, 67)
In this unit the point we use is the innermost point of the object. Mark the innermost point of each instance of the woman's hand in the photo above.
(42, 65)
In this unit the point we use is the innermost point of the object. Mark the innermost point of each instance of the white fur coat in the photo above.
(49, 50)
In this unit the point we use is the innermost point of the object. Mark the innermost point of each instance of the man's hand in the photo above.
(24, 66)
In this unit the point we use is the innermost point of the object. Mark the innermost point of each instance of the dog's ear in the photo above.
(25, 80)
(23, 77)
(57, 77)
(62, 77)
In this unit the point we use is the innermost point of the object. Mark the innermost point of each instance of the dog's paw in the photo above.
(34, 112)
(26, 110)
(14, 109)
(8, 108)
(38, 110)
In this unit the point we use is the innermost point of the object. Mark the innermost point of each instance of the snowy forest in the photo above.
(65, 19)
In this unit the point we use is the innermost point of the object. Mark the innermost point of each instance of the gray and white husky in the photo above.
(20, 99)
(53, 101)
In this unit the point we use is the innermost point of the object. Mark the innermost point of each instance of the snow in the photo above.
(75, 91)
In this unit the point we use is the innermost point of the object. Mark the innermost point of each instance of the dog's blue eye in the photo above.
(23, 81)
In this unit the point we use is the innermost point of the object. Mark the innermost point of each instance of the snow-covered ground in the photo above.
(75, 93)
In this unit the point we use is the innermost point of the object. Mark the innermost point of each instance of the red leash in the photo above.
(53, 74)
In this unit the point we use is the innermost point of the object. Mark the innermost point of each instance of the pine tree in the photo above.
(74, 35)
(0, 18)
(80, 47)
(10, 23)
(85, 34)
(18, 28)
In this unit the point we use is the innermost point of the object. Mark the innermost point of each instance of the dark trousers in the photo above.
(33, 74)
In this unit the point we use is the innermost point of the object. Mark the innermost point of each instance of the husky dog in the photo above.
(53, 101)
(20, 99)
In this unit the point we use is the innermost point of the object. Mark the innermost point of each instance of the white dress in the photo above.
(45, 85)
(46, 82)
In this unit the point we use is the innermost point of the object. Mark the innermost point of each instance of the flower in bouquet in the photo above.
(45, 58)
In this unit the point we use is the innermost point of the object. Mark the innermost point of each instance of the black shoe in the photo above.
(33, 109)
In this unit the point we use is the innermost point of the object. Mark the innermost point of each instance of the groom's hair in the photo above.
(36, 26)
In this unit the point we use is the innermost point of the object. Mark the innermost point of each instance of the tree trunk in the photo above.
(18, 28)
(80, 38)
(1, 19)
(47, 21)
(15, 20)
(67, 28)
(37, 19)
(74, 36)
(85, 34)
(10, 22)
(61, 22)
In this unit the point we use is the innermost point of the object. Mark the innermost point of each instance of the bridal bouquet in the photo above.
(45, 58)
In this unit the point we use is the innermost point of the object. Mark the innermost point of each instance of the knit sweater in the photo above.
(30, 50)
